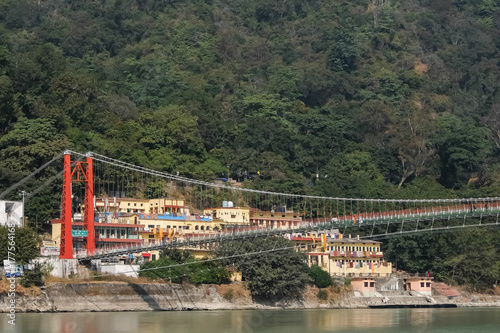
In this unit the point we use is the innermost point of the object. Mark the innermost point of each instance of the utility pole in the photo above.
(23, 193)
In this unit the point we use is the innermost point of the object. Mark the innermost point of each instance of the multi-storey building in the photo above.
(274, 219)
(108, 232)
(127, 221)
(160, 227)
(144, 206)
(344, 256)
(229, 216)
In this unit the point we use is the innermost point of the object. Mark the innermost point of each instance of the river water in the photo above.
(457, 320)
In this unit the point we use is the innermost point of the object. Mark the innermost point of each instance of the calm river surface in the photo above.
(485, 320)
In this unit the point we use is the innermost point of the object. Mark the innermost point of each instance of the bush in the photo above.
(164, 268)
(46, 269)
(228, 295)
(196, 272)
(320, 277)
(322, 295)
(209, 272)
(33, 278)
(347, 282)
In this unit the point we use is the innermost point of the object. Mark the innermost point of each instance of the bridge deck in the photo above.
(306, 226)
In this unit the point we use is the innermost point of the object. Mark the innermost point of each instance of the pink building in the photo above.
(366, 285)
(420, 284)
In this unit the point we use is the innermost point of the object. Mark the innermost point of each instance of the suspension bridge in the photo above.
(93, 175)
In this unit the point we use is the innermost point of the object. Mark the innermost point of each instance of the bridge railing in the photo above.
(339, 221)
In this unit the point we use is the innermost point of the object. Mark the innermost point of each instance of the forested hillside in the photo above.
(358, 98)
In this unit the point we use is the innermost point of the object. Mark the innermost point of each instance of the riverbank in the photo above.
(129, 296)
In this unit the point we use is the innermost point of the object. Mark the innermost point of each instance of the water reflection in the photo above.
(265, 321)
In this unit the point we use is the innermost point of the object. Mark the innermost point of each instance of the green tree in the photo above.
(25, 241)
(29, 144)
(345, 50)
(462, 147)
(270, 275)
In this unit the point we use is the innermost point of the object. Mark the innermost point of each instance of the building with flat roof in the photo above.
(144, 206)
(11, 212)
(419, 284)
(274, 219)
(109, 233)
(366, 285)
(229, 215)
(341, 256)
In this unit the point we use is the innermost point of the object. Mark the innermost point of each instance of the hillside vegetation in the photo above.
(358, 98)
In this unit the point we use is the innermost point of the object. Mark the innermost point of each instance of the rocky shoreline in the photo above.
(123, 296)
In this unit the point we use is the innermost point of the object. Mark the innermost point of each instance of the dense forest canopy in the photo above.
(358, 98)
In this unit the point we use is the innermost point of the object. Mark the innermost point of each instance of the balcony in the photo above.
(356, 254)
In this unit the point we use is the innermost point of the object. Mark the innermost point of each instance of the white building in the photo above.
(11, 212)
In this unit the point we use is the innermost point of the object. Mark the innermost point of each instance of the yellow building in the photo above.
(344, 256)
(144, 206)
(230, 215)
(158, 227)
(161, 206)
(274, 220)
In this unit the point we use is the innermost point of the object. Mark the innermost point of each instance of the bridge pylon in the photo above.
(77, 171)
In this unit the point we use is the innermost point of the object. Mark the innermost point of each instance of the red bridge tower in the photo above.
(77, 171)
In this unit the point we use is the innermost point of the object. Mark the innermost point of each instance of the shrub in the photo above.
(228, 295)
(195, 272)
(320, 277)
(33, 277)
(322, 295)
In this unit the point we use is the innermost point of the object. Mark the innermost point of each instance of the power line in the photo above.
(28, 177)
(217, 259)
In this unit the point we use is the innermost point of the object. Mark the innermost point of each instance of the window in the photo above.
(142, 205)
(135, 204)
(428, 284)
(233, 216)
(150, 226)
(151, 236)
(372, 284)
(421, 284)
(129, 204)
(366, 284)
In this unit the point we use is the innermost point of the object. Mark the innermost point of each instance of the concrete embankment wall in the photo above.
(123, 296)
(116, 296)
